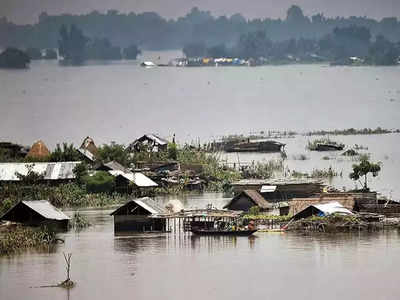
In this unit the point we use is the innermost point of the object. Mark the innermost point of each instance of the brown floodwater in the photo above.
(167, 266)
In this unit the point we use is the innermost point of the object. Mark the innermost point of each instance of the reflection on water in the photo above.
(182, 266)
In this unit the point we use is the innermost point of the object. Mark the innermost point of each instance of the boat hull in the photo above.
(222, 232)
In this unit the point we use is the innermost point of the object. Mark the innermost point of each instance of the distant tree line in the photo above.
(75, 47)
(150, 31)
(341, 46)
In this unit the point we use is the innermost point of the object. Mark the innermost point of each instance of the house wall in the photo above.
(137, 223)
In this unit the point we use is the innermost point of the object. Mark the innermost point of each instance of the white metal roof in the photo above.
(139, 179)
(333, 207)
(268, 189)
(87, 153)
(45, 209)
(51, 171)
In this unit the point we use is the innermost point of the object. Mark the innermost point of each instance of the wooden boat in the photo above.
(255, 146)
(223, 232)
(329, 147)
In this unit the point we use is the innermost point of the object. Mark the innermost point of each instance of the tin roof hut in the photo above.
(36, 213)
(38, 150)
(135, 215)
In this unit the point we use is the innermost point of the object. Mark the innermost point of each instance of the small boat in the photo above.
(255, 146)
(329, 147)
(223, 232)
(148, 64)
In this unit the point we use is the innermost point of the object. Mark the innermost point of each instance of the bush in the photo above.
(100, 182)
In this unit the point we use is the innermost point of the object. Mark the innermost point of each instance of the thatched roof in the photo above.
(38, 150)
(254, 196)
(298, 204)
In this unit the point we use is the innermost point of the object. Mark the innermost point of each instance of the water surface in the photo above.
(265, 266)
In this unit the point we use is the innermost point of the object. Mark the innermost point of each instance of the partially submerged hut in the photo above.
(36, 213)
(298, 204)
(277, 190)
(322, 210)
(247, 199)
(38, 151)
(150, 142)
(136, 215)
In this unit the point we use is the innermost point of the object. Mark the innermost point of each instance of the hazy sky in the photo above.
(27, 11)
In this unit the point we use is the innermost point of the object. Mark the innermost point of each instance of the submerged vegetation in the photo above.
(22, 237)
(351, 131)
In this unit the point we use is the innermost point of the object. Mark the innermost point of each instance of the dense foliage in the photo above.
(363, 169)
(155, 32)
(13, 58)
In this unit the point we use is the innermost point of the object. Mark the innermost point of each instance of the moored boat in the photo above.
(223, 232)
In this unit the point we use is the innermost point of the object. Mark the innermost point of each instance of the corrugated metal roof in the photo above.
(51, 171)
(156, 139)
(47, 210)
(87, 154)
(147, 203)
(150, 205)
(137, 178)
(116, 166)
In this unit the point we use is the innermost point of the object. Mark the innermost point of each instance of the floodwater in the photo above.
(166, 266)
(119, 101)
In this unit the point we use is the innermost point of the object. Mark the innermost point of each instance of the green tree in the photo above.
(31, 176)
(363, 169)
(66, 153)
(72, 44)
(115, 152)
(100, 182)
(14, 59)
(34, 53)
(80, 171)
(131, 52)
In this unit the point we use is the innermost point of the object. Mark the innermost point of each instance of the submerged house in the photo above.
(322, 210)
(36, 213)
(277, 190)
(149, 142)
(136, 215)
(247, 199)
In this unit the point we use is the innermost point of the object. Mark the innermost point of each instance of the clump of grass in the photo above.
(360, 147)
(78, 221)
(313, 145)
(263, 170)
(300, 157)
(21, 237)
(324, 173)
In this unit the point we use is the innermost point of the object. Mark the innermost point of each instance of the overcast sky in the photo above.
(27, 11)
